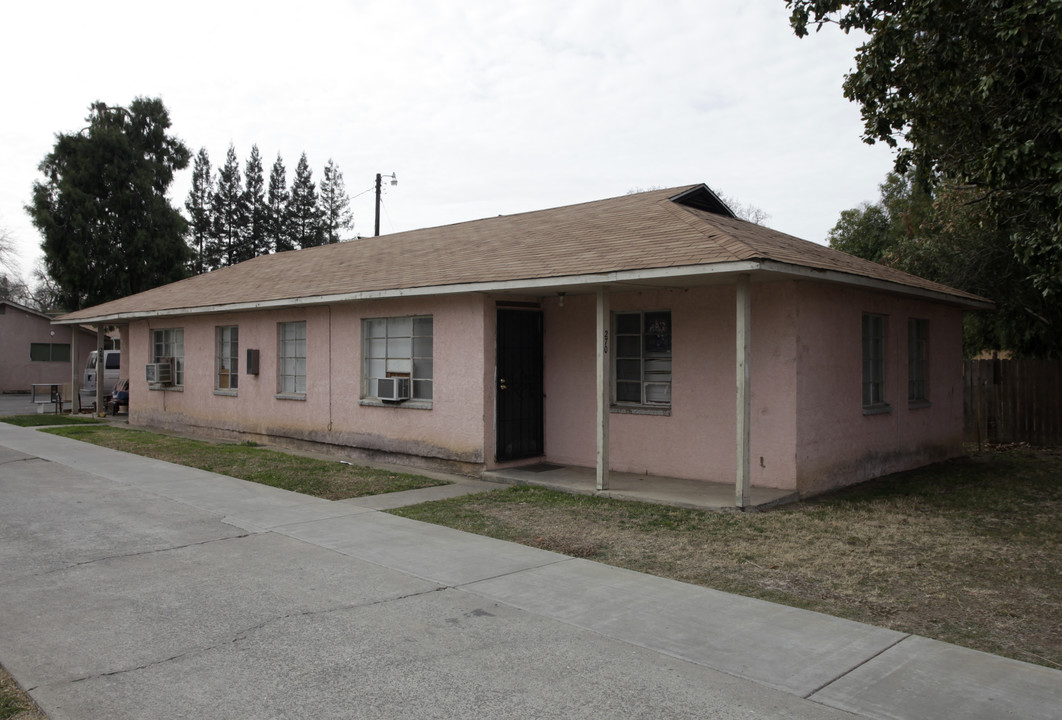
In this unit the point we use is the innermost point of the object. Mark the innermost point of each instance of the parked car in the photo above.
(111, 369)
(119, 397)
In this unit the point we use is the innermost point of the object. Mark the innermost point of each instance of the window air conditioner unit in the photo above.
(160, 373)
(392, 389)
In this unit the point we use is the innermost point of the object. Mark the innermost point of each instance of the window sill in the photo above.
(229, 392)
(407, 404)
(919, 404)
(882, 409)
(290, 396)
(167, 388)
(640, 410)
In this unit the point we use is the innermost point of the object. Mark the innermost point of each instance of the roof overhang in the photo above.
(968, 302)
(658, 278)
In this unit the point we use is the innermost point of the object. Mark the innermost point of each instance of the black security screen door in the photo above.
(518, 385)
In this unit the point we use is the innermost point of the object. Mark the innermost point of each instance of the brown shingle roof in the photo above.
(636, 232)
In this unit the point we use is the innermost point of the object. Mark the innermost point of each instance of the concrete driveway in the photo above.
(133, 588)
(16, 404)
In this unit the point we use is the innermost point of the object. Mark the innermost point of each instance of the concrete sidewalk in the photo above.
(132, 588)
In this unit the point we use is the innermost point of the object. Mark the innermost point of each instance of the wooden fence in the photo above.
(1009, 401)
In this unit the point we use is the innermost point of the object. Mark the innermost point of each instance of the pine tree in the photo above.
(277, 208)
(257, 241)
(304, 216)
(198, 207)
(335, 204)
(109, 230)
(229, 206)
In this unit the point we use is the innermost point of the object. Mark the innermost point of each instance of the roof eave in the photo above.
(587, 281)
(570, 282)
(965, 300)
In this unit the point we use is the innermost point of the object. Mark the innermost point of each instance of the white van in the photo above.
(112, 364)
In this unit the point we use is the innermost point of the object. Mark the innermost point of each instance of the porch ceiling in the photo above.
(764, 271)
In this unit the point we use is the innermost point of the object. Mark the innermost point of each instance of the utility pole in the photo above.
(379, 188)
(378, 179)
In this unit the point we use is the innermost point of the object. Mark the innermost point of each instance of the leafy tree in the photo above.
(228, 206)
(950, 237)
(971, 93)
(335, 204)
(277, 208)
(108, 229)
(872, 231)
(303, 213)
(257, 241)
(198, 206)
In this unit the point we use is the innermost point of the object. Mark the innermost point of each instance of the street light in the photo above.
(379, 179)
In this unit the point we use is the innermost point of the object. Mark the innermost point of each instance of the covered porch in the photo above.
(679, 492)
(580, 440)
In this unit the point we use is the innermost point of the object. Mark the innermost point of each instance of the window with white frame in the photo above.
(917, 360)
(398, 347)
(228, 358)
(291, 358)
(168, 346)
(642, 371)
(874, 361)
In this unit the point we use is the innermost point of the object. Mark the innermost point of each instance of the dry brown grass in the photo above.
(966, 552)
(14, 703)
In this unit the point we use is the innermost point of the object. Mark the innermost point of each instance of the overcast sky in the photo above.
(481, 107)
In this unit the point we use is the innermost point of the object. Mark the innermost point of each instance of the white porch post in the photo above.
(744, 320)
(604, 389)
(100, 370)
(75, 368)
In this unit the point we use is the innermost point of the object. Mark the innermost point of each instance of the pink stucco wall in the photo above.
(838, 444)
(808, 431)
(17, 330)
(697, 438)
(451, 429)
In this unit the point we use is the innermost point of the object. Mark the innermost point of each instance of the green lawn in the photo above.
(330, 479)
(46, 419)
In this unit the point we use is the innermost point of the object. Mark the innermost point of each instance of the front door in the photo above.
(518, 384)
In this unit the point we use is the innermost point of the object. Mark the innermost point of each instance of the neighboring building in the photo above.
(728, 351)
(35, 351)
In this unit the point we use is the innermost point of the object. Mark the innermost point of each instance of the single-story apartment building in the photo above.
(35, 352)
(653, 333)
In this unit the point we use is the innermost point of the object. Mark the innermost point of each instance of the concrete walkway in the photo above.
(679, 492)
(132, 588)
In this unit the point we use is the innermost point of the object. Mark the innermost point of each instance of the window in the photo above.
(50, 352)
(398, 347)
(874, 362)
(228, 358)
(169, 343)
(917, 338)
(291, 358)
(643, 358)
